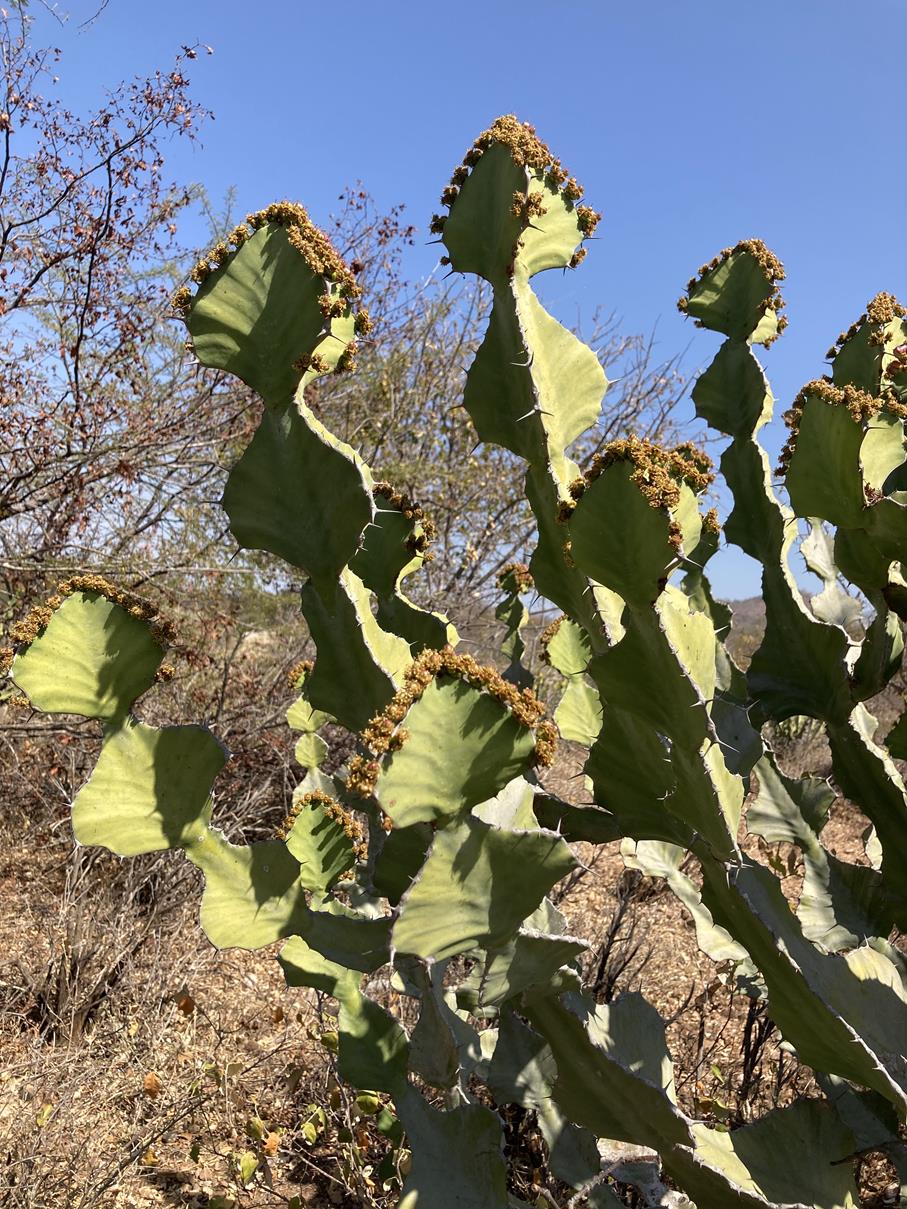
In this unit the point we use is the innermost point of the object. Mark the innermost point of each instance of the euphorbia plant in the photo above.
(432, 854)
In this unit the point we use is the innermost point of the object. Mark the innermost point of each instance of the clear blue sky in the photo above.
(691, 126)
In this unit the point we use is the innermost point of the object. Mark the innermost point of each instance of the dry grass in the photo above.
(83, 1124)
(147, 1101)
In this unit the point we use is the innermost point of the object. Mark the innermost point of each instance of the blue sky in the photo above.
(691, 126)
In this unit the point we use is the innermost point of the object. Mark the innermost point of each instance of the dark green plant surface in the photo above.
(431, 860)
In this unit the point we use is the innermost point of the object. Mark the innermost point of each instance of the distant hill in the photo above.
(748, 614)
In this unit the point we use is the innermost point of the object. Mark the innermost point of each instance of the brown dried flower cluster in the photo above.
(346, 362)
(658, 472)
(527, 151)
(884, 308)
(710, 521)
(528, 206)
(27, 630)
(398, 499)
(424, 529)
(299, 669)
(316, 250)
(547, 635)
(309, 241)
(362, 323)
(546, 737)
(515, 577)
(860, 403)
(332, 306)
(332, 809)
(587, 219)
(765, 258)
(311, 361)
(526, 148)
(384, 732)
(180, 301)
(362, 775)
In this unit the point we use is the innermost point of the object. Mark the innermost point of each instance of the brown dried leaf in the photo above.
(152, 1085)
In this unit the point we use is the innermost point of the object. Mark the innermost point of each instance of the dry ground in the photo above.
(143, 1068)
